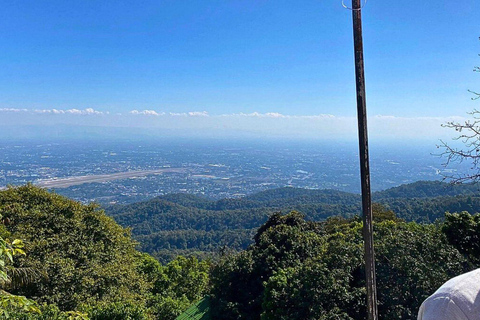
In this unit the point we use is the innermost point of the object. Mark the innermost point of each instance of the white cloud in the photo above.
(198, 114)
(274, 115)
(49, 111)
(147, 112)
(255, 115)
(270, 123)
(12, 110)
(87, 111)
(190, 114)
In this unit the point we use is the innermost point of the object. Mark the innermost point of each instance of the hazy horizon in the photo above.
(22, 123)
(236, 69)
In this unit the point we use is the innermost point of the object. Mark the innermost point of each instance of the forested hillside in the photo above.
(71, 261)
(79, 263)
(427, 189)
(185, 224)
(297, 269)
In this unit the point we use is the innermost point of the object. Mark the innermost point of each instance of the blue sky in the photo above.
(265, 59)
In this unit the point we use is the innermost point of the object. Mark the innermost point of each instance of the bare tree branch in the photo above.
(469, 135)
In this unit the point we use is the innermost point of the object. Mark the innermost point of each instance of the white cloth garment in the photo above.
(456, 299)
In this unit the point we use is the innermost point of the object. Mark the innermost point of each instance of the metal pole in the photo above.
(364, 163)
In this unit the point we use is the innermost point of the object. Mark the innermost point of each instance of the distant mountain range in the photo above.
(180, 223)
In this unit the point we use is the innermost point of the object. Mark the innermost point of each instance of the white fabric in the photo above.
(457, 299)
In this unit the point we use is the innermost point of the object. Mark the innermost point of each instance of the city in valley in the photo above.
(125, 172)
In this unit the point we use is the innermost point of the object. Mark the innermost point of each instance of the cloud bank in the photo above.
(325, 126)
(87, 111)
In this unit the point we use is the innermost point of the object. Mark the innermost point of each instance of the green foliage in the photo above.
(294, 269)
(463, 232)
(51, 312)
(189, 225)
(168, 308)
(7, 251)
(82, 255)
(10, 303)
(236, 287)
(428, 210)
(412, 261)
(428, 189)
(381, 213)
(185, 277)
(305, 270)
(87, 263)
(283, 242)
(323, 287)
(117, 311)
(310, 291)
(175, 286)
(182, 224)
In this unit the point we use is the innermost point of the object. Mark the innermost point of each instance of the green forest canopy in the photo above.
(186, 224)
(86, 266)
(82, 260)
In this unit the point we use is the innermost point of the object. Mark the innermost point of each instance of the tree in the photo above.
(469, 136)
(176, 285)
(238, 281)
(82, 255)
(463, 232)
(87, 265)
(315, 270)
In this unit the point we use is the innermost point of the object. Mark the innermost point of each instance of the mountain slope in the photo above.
(184, 224)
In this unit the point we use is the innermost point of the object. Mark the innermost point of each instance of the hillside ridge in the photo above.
(183, 223)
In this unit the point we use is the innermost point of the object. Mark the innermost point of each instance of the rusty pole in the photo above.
(364, 162)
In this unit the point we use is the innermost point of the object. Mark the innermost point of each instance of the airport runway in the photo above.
(73, 181)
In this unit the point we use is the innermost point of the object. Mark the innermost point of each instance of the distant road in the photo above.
(73, 181)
